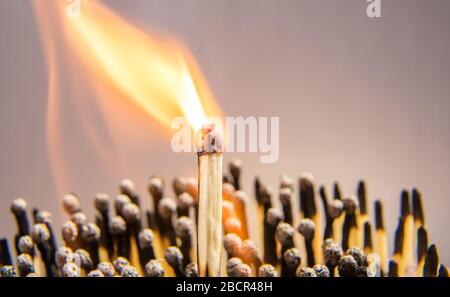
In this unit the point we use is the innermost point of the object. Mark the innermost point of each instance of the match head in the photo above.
(145, 238)
(233, 225)
(40, 233)
(131, 213)
(18, 206)
(167, 207)
(26, 245)
(361, 271)
(70, 270)
(69, 231)
(249, 250)
(232, 263)
(107, 269)
(71, 203)
(79, 218)
(191, 270)
(347, 266)
(8, 271)
(350, 204)
(417, 206)
(120, 263)
(185, 200)
(156, 186)
(240, 270)
(306, 227)
(335, 208)
(292, 257)
(286, 182)
(405, 208)
(332, 253)
(274, 216)
(127, 186)
(120, 201)
(184, 227)
(321, 270)
(44, 217)
(209, 140)
(241, 196)
(267, 270)
(95, 273)
(358, 255)
(91, 232)
(379, 223)
(306, 180)
(173, 256)
(266, 193)
(85, 259)
(25, 264)
(32, 274)
(285, 196)
(232, 244)
(228, 209)
(101, 202)
(179, 185)
(306, 272)
(117, 225)
(235, 167)
(431, 264)
(62, 256)
(129, 271)
(154, 269)
(284, 233)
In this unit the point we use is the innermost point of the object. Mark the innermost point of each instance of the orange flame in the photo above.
(157, 75)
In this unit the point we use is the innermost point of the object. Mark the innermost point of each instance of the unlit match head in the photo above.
(335, 208)
(101, 202)
(306, 228)
(274, 216)
(154, 269)
(306, 272)
(91, 232)
(167, 207)
(209, 140)
(267, 270)
(347, 266)
(69, 231)
(40, 233)
(107, 269)
(129, 271)
(117, 225)
(70, 270)
(191, 270)
(249, 250)
(131, 212)
(232, 244)
(321, 270)
(145, 238)
(71, 203)
(184, 227)
(18, 206)
(228, 209)
(26, 244)
(233, 225)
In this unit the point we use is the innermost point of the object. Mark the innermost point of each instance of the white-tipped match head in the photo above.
(18, 206)
(71, 203)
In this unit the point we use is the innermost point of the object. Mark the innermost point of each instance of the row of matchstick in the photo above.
(290, 234)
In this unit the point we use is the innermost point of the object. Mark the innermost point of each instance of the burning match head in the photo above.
(44, 217)
(267, 270)
(274, 216)
(131, 213)
(79, 218)
(62, 256)
(129, 271)
(306, 227)
(284, 233)
(154, 269)
(8, 271)
(209, 140)
(335, 208)
(285, 196)
(26, 245)
(95, 273)
(332, 253)
(85, 259)
(25, 264)
(91, 232)
(185, 200)
(107, 269)
(70, 270)
(306, 272)
(40, 233)
(120, 201)
(184, 227)
(347, 266)
(191, 270)
(173, 256)
(69, 231)
(321, 270)
(145, 238)
(71, 203)
(232, 244)
(167, 207)
(350, 204)
(18, 206)
(120, 263)
(117, 226)
(358, 255)
(101, 202)
(292, 257)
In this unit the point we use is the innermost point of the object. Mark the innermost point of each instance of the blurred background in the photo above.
(358, 98)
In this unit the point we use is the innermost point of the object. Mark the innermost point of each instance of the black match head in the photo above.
(306, 272)
(156, 186)
(26, 245)
(185, 200)
(191, 270)
(129, 271)
(173, 256)
(350, 204)
(430, 267)
(358, 255)
(25, 264)
(284, 234)
(117, 225)
(335, 208)
(337, 191)
(106, 268)
(79, 218)
(362, 197)
(292, 257)
(405, 208)
(145, 238)
(367, 235)
(393, 269)
(179, 185)
(18, 206)
(71, 203)
(120, 201)
(154, 269)
(321, 270)
(285, 196)
(267, 270)
(274, 216)
(95, 273)
(306, 228)
(417, 207)
(232, 263)
(347, 266)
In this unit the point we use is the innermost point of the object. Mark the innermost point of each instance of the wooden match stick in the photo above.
(381, 244)
(368, 245)
(422, 245)
(102, 204)
(91, 234)
(210, 162)
(19, 210)
(184, 229)
(350, 227)
(406, 214)
(273, 217)
(431, 265)
(398, 245)
(306, 228)
(146, 246)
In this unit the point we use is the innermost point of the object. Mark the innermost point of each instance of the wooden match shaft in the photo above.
(210, 163)
(381, 244)
(408, 248)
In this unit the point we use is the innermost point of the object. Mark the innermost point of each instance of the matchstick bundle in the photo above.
(205, 228)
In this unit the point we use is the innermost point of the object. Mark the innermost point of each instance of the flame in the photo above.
(124, 66)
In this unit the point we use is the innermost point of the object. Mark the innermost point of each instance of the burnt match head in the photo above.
(117, 225)
(335, 208)
(129, 271)
(235, 167)
(70, 270)
(18, 206)
(238, 269)
(156, 186)
(8, 271)
(285, 196)
(267, 270)
(321, 270)
(119, 263)
(306, 272)
(422, 242)
(184, 227)
(62, 256)
(417, 206)
(71, 203)
(332, 253)
(179, 185)
(350, 204)
(101, 202)
(40, 233)
(306, 228)
(145, 238)
(79, 218)
(154, 269)
(265, 194)
(107, 269)
(358, 255)
(362, 199)
(43, 217)
(26, 245)
(347, 266)
(362, 271)
(91, 232)
(127, 187)
(131, 213)
(284, 234)
(431, 264)
(191, 270)
(185, 200)
(173, 256)
(399, 236)
(232, 244)
(25, 264)
(404, 204)
(286, 182)
(292, 258)
(85, 259)
(209, 140)
(120, 201)
(274, 216)
(379, 222)
(232, 263)
(95, 273)
(167, 207)
(69, 231)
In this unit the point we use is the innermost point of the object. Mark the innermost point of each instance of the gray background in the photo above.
(357, 98)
